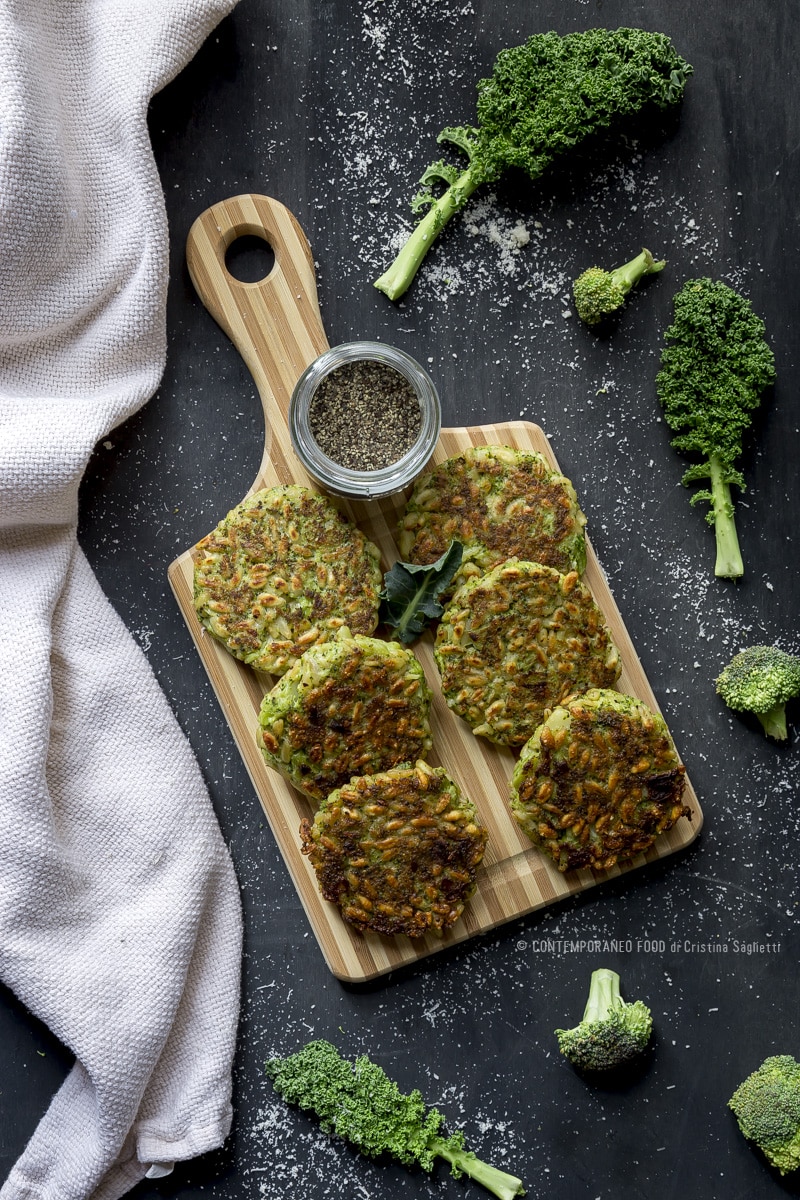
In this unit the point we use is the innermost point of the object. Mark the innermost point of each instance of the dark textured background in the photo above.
(333, 107)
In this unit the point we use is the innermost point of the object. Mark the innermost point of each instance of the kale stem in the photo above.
(729, 563)
(397, 278)
(499, 1183)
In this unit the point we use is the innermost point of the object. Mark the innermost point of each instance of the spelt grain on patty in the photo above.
(500, 503)
(352, 706)
(283, 571)
(516, 641)
(398, 851)
(598, 781)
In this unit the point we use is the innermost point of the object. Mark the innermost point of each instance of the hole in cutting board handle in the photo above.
(249, 258)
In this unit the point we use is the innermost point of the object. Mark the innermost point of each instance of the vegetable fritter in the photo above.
(352, 706)
(397, 851)
(598, 781)
(283, 571)
(500, 503)
(517, 641)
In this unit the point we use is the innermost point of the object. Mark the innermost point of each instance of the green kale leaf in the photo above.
(410, 596)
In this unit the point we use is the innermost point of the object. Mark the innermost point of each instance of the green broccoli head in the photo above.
(767, 1109)
(598, 293)
(612, 1034)
(760, 680)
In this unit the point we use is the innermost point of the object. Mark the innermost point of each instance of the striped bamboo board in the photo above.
(276, 326)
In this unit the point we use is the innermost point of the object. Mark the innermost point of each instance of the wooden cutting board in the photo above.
(276, 326)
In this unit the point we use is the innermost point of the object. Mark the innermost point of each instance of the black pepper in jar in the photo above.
(365, 415)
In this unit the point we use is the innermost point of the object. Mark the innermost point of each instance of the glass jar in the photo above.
(381, 481)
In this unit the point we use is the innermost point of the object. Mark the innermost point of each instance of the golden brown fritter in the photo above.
(500, 503)
(516, 641)
(352, 706)
(282, 572)
(398, 852)
(598, 781)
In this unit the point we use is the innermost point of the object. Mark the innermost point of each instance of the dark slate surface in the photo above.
(333, 107)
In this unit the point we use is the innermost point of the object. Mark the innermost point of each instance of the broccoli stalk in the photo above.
(600, 293)
(543, 97)
(612, 1034)
(760, 680)
(713, 370)
(767, 1108)
(358, 1102)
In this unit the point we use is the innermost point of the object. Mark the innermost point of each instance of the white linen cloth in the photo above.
(120, 922)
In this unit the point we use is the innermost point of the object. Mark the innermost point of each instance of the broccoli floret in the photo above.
(767, 1108)
(760, 680)
(713, 371)
(543, 98)
(358, 1102)
(612, 1034)
(600, 293)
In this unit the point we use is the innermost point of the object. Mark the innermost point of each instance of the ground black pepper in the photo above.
(364, 415)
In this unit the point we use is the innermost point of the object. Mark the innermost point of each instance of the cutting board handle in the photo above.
(274, 323)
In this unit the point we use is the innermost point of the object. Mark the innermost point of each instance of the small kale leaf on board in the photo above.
(410, 596)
